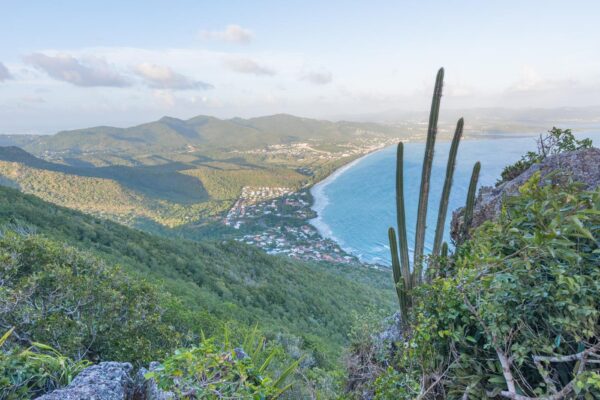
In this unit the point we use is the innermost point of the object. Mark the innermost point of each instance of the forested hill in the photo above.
(209, 133)
(216, 282)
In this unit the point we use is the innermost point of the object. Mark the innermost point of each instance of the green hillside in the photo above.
(224, 281)
(207, 133)
(170, 194)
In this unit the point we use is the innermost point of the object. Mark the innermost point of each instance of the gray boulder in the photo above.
(147, 389)
(581, 166)
(105, 381)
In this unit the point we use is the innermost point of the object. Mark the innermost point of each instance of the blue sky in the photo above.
(70, 64)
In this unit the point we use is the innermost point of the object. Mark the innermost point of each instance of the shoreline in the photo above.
(320, 201)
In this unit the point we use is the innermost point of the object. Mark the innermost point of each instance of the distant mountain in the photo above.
(203, 132)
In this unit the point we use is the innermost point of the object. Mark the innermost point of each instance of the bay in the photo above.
(356, 204)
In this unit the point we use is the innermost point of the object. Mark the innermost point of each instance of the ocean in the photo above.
(356, 204)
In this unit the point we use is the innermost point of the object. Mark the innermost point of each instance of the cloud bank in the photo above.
(66, 68)
(160, 77)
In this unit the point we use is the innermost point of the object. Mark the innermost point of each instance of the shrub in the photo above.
(35, 370)
(556, 141)
(519, 315)
(54, 294)
(211, 370)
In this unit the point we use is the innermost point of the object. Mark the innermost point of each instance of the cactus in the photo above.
(441, 222)
(406, 280)
(471, 199)
(444, 253)
(401, 217)
(426, 174)
(401, 289)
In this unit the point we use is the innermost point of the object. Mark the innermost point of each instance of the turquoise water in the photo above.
(356, 205)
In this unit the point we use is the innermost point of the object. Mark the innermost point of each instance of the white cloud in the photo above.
(248, 66)
(4, 73)
(93, 72)
(165, 98)
(232, 33)
(160, 77)
(322, 77)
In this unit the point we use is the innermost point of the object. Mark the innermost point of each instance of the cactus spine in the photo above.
(426, 174)
(441, 222)
(471, 198)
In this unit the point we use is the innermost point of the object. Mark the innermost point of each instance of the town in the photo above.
(276, 220)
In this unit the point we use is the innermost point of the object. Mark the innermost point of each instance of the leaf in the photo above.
(6, 335)
(287, 372)
(579, 226)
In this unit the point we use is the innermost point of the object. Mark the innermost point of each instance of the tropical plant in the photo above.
(405, 278)
(35, 370)
(212, 370)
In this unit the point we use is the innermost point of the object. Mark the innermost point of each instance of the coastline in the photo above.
(320, 201)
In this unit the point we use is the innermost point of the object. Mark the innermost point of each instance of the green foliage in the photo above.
(195, 287)
(211, 370)
(524, 290)
(556, 141)
(80, 306)
(392, 384)
(35, 370)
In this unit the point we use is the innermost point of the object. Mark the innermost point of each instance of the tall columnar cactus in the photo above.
(399, 283)
(471, 199)
(406, 279)
(426, 173)
(401, 218)
(441, 222)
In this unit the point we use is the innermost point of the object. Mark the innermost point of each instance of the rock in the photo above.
(391, 333)
(105, 381)
(581, 166)
(147, 389)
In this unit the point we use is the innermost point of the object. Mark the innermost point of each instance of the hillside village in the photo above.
(276, 220)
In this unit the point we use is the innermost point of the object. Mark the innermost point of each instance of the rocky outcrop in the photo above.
(105, 381)
(147, 389)
(111, 381)
(581, 166)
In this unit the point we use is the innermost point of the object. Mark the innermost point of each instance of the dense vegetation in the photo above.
(211, 370)
(62, 287)
(169, 195)
(32, 371)
(514, 313)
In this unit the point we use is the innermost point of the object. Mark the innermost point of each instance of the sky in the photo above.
(74, 64)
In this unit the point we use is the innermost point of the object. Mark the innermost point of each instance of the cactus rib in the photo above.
(425, 177)
(401, 217)
(443, 210)
(471, 198)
